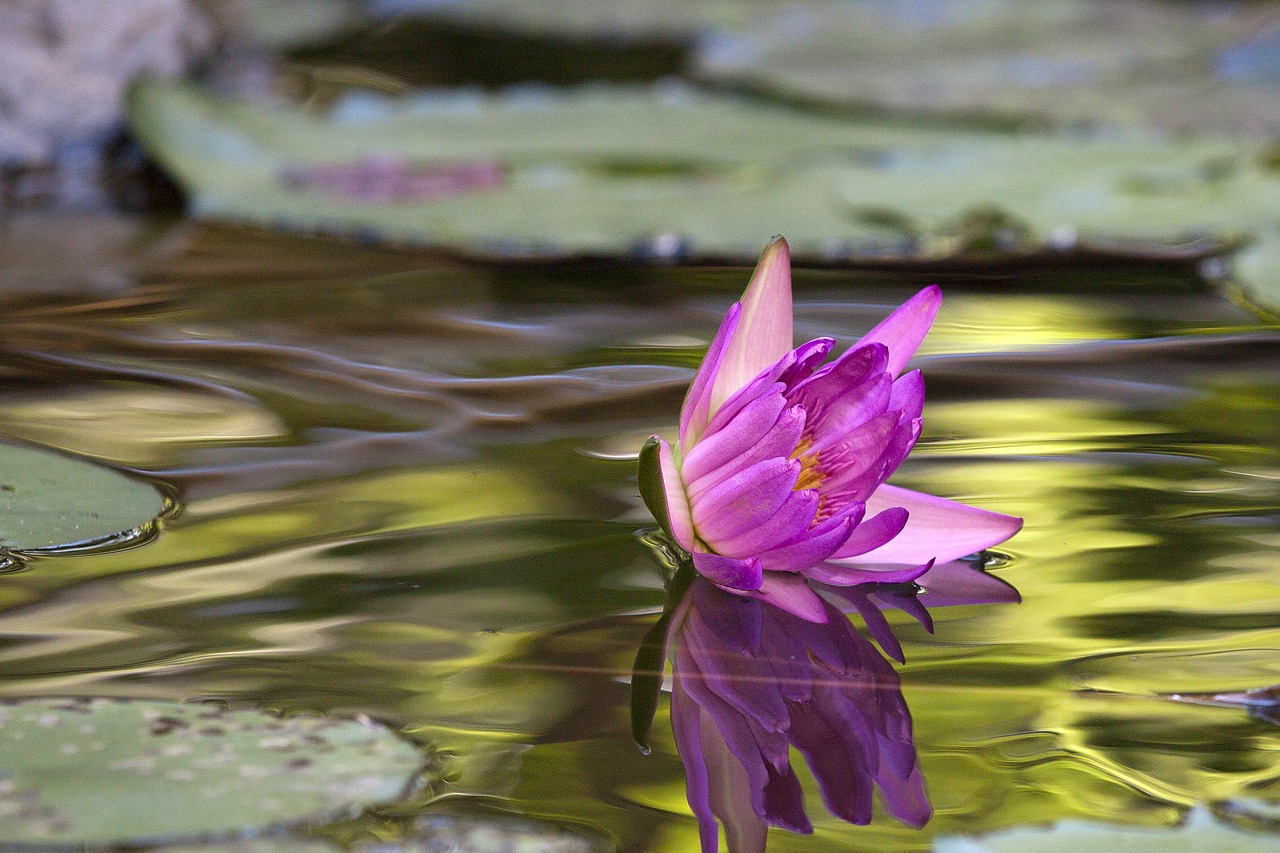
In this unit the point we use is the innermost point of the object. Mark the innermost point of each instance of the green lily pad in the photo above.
(618, 170)
(271, 844)
(489, 833)
(106, 771)
(293, 23)
(50, 501)
(1200, 832)
(1124, 62)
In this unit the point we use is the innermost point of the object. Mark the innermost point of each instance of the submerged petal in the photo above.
(790, 593)
(904, 329)
(744, 830)
(764, 331)
(836, 745)
(769, 783)
(938, 529)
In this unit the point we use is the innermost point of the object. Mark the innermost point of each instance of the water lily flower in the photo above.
(779, 473)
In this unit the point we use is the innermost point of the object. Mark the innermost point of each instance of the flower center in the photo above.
(811, 475)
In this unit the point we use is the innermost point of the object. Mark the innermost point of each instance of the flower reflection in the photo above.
(751, 680)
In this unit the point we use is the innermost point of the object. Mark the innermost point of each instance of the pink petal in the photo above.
(815, 547)
(874, 532)
(807, 358)
(907, 395)
(696, 410)
(833, 416)
(853, 367)
(938, 529)
(726, 444)
(775, 376)
(851, 573)
(779, 442)
(904, 329)
(857, 452)
(679, 513)
(744, 500)
(764, 331)
(735, 575)
(791, 520)
(790, 593)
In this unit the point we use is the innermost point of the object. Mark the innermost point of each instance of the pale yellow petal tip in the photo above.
(778, 247)
(772, 272)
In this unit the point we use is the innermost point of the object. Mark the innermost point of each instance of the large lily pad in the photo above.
(601, 170)
(104, 771)
(49, 501)
(1179, 66)
(1200, 832)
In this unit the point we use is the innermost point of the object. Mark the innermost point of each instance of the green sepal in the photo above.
(651, 658)
(652, 489)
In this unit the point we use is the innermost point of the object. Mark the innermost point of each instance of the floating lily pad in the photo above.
(1179, 66)
(460, 833)
(1199, 833)
(293, 23)
(671, 170)
(105, 771)
(271, 844)
(50, 501)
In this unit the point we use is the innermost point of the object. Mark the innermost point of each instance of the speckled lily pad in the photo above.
(670, 171)
(107, 771)
(48, 501)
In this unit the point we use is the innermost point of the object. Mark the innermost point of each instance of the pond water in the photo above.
(406, 488)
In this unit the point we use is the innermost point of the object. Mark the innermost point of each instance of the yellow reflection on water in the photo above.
(1029, 426)
(136, 424)
(974, 322)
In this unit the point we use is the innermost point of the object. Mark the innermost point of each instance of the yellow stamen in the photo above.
(811, 476)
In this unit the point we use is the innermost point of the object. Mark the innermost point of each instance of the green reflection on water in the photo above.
(408, 491)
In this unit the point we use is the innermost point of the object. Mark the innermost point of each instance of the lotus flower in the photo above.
(780, 470)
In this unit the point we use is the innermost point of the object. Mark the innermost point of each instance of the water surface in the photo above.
(407, 490)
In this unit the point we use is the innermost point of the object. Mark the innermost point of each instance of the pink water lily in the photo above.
(779, 473)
